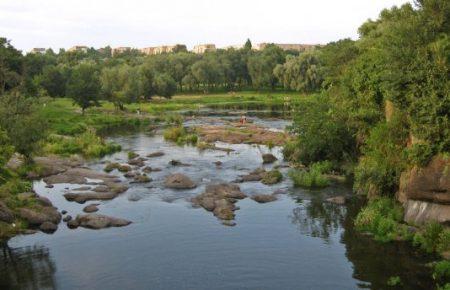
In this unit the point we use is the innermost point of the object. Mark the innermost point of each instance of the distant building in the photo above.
(119, 50)
(289, 46)
(38, 50)
(81, 48)
(161, 49)
(202, 48)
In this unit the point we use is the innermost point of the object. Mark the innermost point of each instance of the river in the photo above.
(296, 242)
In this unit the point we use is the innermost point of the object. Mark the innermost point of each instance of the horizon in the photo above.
(46, 24)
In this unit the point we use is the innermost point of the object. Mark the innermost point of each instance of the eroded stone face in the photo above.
(425, 192)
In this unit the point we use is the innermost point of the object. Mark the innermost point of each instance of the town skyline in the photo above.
(62, 24)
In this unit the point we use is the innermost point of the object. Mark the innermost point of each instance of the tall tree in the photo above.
(83, 85)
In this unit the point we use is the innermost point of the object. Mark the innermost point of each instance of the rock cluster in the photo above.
(220, 199)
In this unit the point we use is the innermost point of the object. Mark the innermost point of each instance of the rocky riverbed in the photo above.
(186, 214)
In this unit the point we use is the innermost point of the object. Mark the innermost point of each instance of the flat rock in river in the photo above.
(98, 221)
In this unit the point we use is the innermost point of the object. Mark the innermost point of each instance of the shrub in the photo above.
(180, 136)
(419, 154)
(272, 177)
(381, 217)
(378, 171)
(433, 238)
(441, 273)
(132, 155)
(88, 144)
(394, 281)
(313, 178)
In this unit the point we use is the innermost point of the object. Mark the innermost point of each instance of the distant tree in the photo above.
(83, 85)
(180, 48)
(53, 80)
(164, 85)
(20, 119)
(10, 66)
(261, 66)
(248, 44)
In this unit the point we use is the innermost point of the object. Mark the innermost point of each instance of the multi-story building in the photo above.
(161, 49)
(38, 50)
(238, 46)
(119, 50)
(202, 48)
(288, 46)
(81, 48)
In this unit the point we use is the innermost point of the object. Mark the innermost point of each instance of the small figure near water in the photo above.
(243, 119)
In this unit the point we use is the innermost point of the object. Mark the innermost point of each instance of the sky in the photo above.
(97, 23)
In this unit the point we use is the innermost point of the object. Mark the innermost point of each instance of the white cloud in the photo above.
(56, 23)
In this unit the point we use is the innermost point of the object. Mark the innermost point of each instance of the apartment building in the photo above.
(202, 48)
(119, 50)
(81, 48)
(38, 50)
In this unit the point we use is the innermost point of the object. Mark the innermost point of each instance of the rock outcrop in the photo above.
(220, 199)
(425, 192)
(179, 181)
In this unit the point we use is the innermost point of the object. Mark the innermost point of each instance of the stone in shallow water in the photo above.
(48, 227)
(179, 181)
(97, 221)
(155, 154)
(91, 208)
(264, 198)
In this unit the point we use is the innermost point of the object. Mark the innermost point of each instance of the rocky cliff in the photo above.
(425, 192)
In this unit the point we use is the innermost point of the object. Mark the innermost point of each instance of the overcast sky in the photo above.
(141, 23)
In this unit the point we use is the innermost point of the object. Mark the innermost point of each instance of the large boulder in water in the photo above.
(179, 181)
(269, 158)
(98, 221)
(264, 198)
(40, 215)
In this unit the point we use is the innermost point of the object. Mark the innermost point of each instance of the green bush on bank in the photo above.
(87, 144)
(180, 135)
(441, 274)
(312, 178)
(433, 238)
(381, 217)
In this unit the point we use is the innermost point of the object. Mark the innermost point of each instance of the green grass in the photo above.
(441, 274)
(87, 144)
(433, 238)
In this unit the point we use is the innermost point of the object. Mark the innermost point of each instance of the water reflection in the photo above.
(26, 268)
(317, 218)
(373, 262)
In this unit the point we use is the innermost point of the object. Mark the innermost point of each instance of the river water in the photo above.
(296, 242)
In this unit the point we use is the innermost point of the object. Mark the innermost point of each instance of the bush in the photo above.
(180, 136)
(87, 144)
(378, 171)
(381, 217)
(433, 238)
(394, 281)
(419, 154)
(313, 178)
(441, 273)
(272, 177)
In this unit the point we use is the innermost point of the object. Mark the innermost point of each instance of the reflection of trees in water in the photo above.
(373, 262)
(318, 218)
(26, 268)
(376, 262)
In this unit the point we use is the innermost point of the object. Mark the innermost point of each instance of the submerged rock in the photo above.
(48, 227)
(340, 200)
(72, 224)
(255, 175)
(174, 162)
(91, 208)
(148, 169)
(97, 221)
(269, 158)
(156, 154)
(264, 198)
(86, 196)
(179, 181)
(139, 162)
(67, 218)
(141, 178)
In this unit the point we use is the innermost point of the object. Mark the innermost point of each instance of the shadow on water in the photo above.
(373, 262)
(26, 268)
